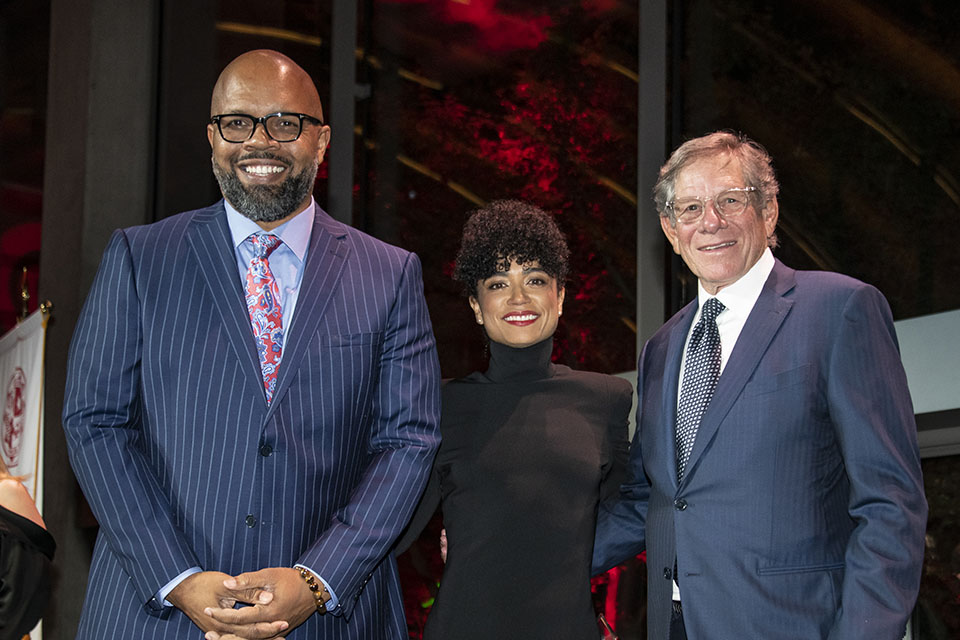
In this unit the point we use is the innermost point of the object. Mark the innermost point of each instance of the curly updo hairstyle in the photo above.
(508, 231)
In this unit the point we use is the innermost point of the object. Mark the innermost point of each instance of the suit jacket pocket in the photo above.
(805, 568)
(346, 367)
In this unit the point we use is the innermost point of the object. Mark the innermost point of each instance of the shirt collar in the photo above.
(742, 294)
(295, 232)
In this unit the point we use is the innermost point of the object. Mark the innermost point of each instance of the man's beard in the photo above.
(266, 203)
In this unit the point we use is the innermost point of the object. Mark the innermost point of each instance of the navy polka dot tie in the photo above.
(701, 370)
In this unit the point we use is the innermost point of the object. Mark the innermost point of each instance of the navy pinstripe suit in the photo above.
(801, 513)
(184, 462)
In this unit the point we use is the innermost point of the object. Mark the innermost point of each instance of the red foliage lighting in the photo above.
(496, 31)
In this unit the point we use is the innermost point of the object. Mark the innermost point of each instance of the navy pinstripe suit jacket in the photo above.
(801, 514)
(185, 464)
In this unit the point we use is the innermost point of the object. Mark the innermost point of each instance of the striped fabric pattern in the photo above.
(184, 461)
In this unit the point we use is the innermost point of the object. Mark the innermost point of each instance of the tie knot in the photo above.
(264, 244)
(711, 309)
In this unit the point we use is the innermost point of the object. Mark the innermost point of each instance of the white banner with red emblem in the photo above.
(21, 383)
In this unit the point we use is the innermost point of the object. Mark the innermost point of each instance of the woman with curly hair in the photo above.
(529, 447)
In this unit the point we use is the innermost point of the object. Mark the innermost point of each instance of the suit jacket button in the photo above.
(251, 521)
(667, 573)
(680, 504)
(266, 450)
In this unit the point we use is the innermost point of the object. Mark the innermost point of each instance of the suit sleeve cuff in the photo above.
(170, 586)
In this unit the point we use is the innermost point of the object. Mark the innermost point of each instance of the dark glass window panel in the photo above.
(859, 105)
(474, 102)
(24, 44)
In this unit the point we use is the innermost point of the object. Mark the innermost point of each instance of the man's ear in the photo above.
(770, 214)
(670, 230)
(323, 140)
(560, 295)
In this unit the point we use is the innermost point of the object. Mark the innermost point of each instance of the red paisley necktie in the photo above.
(263, 303)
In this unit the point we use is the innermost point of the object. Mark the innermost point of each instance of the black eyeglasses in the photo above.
(280, 126)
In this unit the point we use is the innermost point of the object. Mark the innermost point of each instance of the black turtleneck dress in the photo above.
(529, 449)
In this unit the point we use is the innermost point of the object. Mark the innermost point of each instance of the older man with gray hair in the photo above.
(775, 478)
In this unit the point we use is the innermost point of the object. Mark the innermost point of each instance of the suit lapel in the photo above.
(321, 274)
(762, 325)
(671, 372)
(209, 238)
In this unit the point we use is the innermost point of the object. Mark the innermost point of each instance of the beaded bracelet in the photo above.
(316, 589)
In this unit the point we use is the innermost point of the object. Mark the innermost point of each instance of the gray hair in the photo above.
(755, 162)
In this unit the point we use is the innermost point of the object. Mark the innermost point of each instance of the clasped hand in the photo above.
(277, 601)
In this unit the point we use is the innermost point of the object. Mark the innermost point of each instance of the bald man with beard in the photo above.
(252, 397)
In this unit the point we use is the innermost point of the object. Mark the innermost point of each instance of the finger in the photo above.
(258, 631)
(250, 622)
(246, 580)
(243, 615)
(249, 588)
(247, 596)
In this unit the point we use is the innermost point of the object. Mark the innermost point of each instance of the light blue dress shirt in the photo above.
(286, 261)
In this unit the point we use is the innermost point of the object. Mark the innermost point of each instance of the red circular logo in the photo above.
(13, 410)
